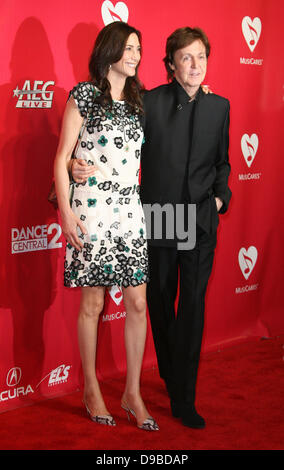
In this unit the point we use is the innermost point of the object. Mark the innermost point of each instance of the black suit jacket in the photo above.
(208, 166)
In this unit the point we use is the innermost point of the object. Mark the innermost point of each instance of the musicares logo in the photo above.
(116, 294)
(251, 31)
(111, 13)
(247, 260)
(249, 147)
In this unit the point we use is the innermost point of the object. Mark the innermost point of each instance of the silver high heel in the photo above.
(148, 425)
(101, 419)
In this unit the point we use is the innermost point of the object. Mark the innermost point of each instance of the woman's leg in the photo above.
(92, 302)
(134, 299)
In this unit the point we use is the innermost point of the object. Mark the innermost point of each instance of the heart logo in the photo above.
(247, 260)
(111, 13)
(251, 31)
(249, 147)
(116, 294)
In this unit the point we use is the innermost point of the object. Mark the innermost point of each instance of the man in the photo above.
(184, 160)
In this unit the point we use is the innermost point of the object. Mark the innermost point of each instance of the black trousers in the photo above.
(178, 334)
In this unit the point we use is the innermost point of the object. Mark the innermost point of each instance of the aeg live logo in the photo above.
(111, 13)
(37, 96)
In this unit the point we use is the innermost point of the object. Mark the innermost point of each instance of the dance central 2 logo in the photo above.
(37, 96)
(36, 238)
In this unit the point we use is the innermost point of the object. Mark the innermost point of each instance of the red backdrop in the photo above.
(45, 47)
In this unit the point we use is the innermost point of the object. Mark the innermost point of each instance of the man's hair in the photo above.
(179, 39)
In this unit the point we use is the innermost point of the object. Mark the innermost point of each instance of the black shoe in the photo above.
(191, 418)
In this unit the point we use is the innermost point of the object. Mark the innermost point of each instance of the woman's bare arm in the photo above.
(71, 125)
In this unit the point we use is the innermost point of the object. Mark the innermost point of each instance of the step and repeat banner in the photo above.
(44, 53)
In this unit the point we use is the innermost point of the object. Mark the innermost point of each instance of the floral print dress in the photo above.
(108, 203)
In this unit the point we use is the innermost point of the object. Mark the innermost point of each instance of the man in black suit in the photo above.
(184, 161)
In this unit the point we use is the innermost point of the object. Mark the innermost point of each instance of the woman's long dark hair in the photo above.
(108, 49)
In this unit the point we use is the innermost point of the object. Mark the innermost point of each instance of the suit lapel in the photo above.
(198, 121)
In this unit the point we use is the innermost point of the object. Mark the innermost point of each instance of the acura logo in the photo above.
(14, 376)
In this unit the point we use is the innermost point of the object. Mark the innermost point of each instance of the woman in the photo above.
(105, 227)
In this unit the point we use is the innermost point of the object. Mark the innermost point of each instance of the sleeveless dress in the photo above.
(108, 203)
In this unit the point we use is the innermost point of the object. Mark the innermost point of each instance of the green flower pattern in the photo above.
(92, 181)
(92, 202)
(102, 141)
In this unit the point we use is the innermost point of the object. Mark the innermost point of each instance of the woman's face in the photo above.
(126, 66)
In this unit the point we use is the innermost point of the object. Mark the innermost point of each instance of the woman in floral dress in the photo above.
(105, 226)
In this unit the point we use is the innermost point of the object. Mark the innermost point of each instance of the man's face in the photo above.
(190, 65)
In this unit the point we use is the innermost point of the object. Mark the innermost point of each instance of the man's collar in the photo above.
(182, 96)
